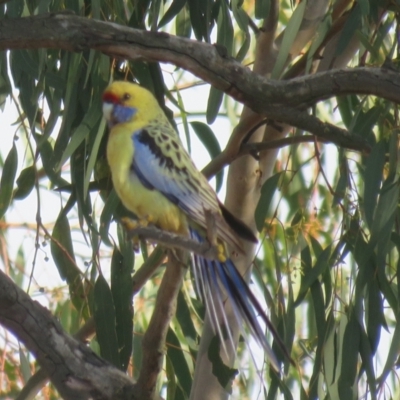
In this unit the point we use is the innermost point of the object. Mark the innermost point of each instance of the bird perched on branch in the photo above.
(156, 179)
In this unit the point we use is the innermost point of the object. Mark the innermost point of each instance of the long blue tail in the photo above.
(211, 277)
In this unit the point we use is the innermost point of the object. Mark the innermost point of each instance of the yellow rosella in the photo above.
(155, 179)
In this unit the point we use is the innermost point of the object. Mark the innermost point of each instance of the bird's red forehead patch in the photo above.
(110, 97)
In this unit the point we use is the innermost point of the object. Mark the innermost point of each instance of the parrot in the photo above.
(156, 179)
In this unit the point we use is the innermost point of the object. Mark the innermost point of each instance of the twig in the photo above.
(144, 273)
(318, 157)
(176, 241)
(254, 148)
(154, 339)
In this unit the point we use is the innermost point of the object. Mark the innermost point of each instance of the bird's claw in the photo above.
(131, 224)
(221, 252)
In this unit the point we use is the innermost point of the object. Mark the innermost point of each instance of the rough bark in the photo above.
(75, 370)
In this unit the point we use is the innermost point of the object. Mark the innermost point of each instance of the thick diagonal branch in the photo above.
(75, 370)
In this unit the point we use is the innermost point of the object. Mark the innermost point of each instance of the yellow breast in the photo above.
(146, 204)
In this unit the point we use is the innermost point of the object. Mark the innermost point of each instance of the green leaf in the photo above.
(107, 215)
(210, 142)
(365, 122)
(17, 273)
(104, 318)
(242, 53)
(25, 183)
(91, 119)
(384, 213)
(373, 48)
(46, 154)
(5, 84)
(172, 11)
(240, 15)
(311, 275)
(170, 373)
(64, 258)
(225, 28)
(73, 114)
(330, 358)
(96, 11)
(242, 20)
(93, 57)
(316, 246)
(393, 155)
(267, 193)
(349, 29)
(73, 5)
(346, 106)
(93, 156)
(185, 319)
(319, 312)
(15, 8)
(182, 23)
(199, 18)
(213, 105)
(184, 121)
(347, 385)
(323, 29)
(289, 37)
(343, 181)
(374, 314)
(224, 374)
(364, 6)
(262, 8)
(178, 360)
(137, 352)
(7, 180)
(368, 364)
(77, 180)
(393, 353)
(153, 14)
(207, 137)
(373, 180)
(328, 287)
(319, 315)
(121, 289)
(62, 250)
(25, 365)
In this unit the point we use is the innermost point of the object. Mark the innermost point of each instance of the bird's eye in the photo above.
(126, 96)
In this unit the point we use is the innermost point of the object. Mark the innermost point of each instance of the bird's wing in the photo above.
(161, 163)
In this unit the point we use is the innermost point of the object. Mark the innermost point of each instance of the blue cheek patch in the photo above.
(123, 114)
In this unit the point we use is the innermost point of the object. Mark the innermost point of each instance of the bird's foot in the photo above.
(131, 224)
(221, 252)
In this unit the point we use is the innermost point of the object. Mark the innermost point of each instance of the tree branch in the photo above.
(75, 370)
(277, 100)
(39, 379)
(154, 339)
(255, 148)
(176, 241)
